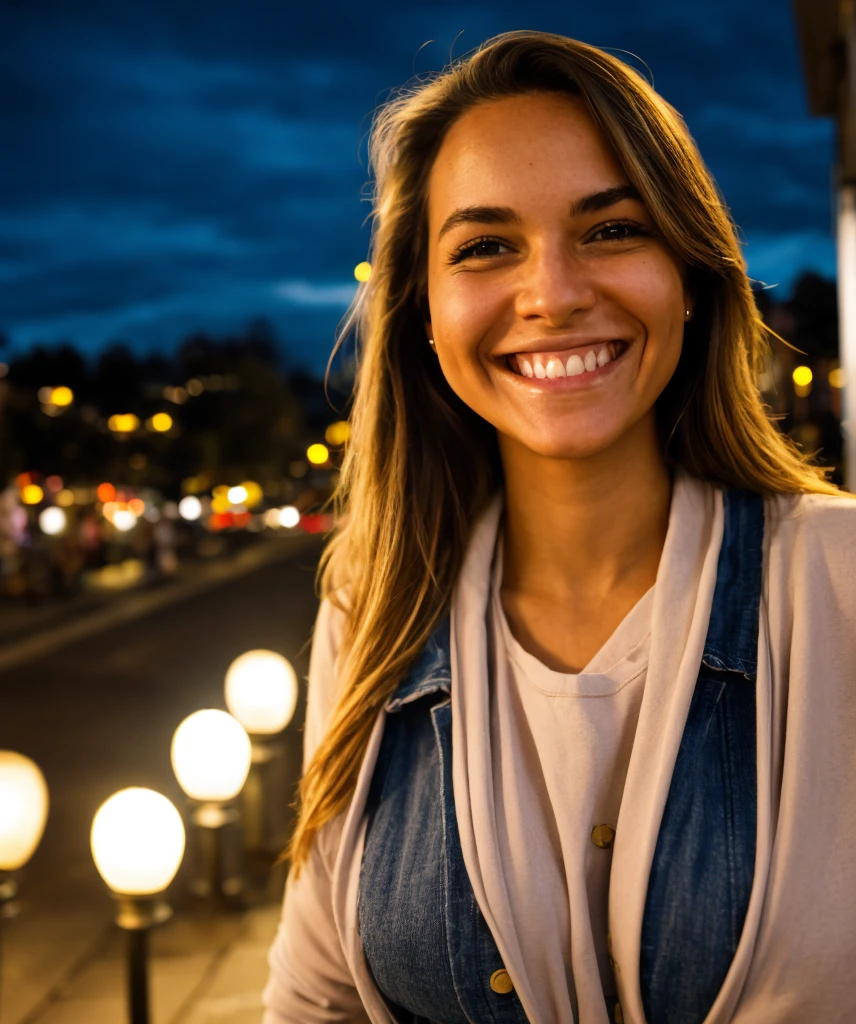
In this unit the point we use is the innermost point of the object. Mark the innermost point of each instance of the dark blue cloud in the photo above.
(172, 165)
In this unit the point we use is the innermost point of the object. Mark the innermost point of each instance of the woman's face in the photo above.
(539, 249)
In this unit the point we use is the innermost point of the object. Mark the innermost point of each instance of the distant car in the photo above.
(315, 521)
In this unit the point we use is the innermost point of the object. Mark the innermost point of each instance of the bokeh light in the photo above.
(32, 494)
(317, 454)
(52, 521)
(190, 508)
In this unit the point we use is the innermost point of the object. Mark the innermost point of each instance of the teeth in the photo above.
(550, 365)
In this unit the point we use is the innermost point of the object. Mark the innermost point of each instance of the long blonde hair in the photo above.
(420, 465)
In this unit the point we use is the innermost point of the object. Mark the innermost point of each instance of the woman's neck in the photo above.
(580, 530)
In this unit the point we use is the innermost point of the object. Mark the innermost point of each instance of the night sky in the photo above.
(172, 166)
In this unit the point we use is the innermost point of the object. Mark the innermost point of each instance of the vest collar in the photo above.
(432, 670)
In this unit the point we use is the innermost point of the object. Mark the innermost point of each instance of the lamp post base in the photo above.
(136, 915)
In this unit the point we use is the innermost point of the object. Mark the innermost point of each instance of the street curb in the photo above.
(139, 604)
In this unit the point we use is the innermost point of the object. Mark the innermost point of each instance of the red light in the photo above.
(106, 492)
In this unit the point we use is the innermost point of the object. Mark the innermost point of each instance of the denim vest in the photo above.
(426, 942)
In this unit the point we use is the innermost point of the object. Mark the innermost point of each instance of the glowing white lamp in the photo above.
(124, 520)
(52, 520)
(23, 809)
(137, 841)
(261, 691)
(211, 754)
(289, 516)
(190, 508)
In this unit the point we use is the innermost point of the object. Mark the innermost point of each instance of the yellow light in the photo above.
(137, 841)
(254, 493)
(123, 423)
(23, 809)
(32, 494)
(836, 377)
(337, 433)
(211, 754)
(161, 422)
(65, 498)
(802, 376)
(220, 503)
(261, 691)
(317, 454)
(61, 396)
(363, 271)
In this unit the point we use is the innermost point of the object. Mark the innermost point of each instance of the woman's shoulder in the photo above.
(814, 530)
(824, 516)
(324, 677)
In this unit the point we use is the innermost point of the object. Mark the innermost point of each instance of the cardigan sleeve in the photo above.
(309, 980)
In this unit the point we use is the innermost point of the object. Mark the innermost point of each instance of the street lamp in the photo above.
(261, 692)
(137, 842)
(23, 813)
(211, 755)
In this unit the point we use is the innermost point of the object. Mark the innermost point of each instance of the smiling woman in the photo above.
(573, 656)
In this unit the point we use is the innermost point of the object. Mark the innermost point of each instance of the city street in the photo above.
(97, 714)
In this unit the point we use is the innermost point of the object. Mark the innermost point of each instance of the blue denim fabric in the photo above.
(426, 941)
(701, 876)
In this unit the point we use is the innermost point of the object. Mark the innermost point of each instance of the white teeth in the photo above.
(549, 365)
(555, 368)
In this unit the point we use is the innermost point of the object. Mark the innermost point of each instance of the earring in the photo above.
(688, 315)
(431, 343)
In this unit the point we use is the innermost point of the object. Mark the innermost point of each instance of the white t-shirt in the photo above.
(572, 734)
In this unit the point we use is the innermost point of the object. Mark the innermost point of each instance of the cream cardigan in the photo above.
(794, 963)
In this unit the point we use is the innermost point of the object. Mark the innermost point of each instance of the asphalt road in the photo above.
(99, 714)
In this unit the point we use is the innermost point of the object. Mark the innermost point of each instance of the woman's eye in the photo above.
(618, 232)
(476, 249)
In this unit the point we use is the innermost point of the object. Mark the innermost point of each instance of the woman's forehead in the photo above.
(519, 149)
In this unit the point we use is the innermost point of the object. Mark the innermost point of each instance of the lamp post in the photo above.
(137, 842)
(211, 754)
(23, 813)
(261, 692)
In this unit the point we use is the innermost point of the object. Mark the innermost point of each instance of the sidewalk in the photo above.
(203, 969)
(63, 959)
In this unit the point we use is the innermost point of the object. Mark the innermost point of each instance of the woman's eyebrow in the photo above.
(507, 215)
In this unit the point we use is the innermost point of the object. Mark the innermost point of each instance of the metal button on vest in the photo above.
(501, 982)
(602, 836)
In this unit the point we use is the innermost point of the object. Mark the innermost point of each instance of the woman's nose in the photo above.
(553, 285)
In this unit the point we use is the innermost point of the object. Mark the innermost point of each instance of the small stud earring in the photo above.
(431, 343)
(688, 315)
